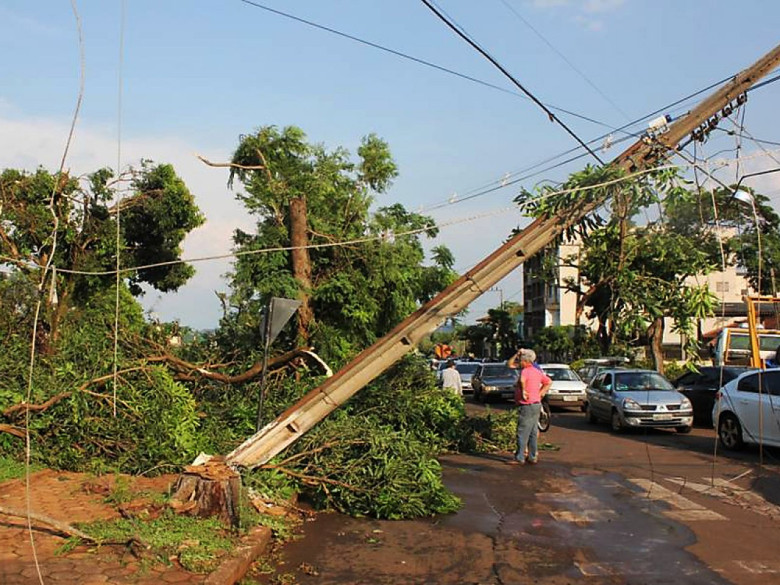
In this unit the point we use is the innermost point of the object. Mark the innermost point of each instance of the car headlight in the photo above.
(631, 404)
(491, 388)
(685, 404)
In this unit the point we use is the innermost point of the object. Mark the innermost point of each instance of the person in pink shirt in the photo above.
(532, 385)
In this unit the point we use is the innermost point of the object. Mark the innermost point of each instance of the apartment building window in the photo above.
(722, 286)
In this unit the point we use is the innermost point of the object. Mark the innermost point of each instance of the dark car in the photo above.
(700, 388)
(494, 380)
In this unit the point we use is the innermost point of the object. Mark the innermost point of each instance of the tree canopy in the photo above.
(156, 215)
(358, 272)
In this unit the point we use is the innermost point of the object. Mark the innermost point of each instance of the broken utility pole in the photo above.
(645, 153)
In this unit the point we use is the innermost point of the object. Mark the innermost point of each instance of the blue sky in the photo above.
(197, 74)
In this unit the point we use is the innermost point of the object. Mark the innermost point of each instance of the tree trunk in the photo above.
(655, 333)
(211, 489)
(301, 264)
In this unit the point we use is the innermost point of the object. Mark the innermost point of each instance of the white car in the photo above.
(567, 388)
(747, 410)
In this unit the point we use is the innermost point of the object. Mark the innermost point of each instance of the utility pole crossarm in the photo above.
(317, 404)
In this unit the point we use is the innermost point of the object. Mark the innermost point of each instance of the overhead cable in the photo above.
(458, 30)
(414, 59)
(578, 71)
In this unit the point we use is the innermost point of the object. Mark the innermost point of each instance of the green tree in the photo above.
(156, 215)
(357, 273)
(632, 277)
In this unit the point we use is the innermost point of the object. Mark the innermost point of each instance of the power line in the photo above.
(504, 182)
(414, 59)
(462, 34)
(562, 56)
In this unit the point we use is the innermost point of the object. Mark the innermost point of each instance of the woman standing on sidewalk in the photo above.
(532, 385)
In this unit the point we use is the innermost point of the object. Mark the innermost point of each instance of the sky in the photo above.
(169, 81)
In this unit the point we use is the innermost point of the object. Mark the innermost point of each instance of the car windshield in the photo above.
(466, 368)
(498, 371)
(632, 381)
(558, 374)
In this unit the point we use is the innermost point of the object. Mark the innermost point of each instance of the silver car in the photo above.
(637, 398)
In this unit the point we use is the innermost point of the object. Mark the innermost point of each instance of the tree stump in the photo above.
(210, 489)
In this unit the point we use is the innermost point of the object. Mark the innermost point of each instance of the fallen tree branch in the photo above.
(190, 371)
(231, 165)
(24, 406)
(60, 527)
(311, 479)
(12, 430)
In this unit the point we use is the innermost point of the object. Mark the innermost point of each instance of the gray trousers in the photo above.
(527, 420)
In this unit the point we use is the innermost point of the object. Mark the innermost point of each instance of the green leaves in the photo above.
(369, 272)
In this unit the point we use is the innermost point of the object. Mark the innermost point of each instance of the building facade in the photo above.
(548, 302)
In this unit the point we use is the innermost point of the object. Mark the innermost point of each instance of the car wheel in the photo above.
(589, 416)
(617, 424)
(684, 430)
(730, 432)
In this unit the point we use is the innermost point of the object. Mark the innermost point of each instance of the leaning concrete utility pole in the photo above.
(645, 153)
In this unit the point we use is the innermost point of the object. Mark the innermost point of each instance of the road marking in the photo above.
(760, 567)
(683, 508)
(581, 508)
(583, 517)
(731, 494)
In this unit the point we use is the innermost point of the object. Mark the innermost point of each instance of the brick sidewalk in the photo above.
(65, 497)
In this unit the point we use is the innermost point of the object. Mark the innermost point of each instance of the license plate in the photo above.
(662, 417)
(569, 398)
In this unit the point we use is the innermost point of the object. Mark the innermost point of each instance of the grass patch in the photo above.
(12, 469)
(197, 543)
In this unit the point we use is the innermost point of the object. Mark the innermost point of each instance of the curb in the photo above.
(236, 566)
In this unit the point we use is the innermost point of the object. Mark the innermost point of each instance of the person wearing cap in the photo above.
(450, 378)
(532, 385)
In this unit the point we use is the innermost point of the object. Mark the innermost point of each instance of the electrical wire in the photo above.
(503, 182)
(565, 59)
(414, 59)
(122, 19)
(41, 286)
(462, 34)
(382, 236)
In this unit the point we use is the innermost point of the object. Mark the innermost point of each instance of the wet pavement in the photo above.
(605, 509)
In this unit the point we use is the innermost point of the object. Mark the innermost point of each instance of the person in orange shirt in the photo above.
(532, 385)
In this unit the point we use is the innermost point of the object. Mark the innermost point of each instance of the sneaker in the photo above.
(514, 461)
(533, 461)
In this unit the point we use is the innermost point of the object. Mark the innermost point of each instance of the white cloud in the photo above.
(582, 11)
(601, 6)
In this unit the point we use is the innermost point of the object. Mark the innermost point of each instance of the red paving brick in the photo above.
(69, 498)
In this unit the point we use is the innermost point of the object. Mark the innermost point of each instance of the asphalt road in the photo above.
(649, 508)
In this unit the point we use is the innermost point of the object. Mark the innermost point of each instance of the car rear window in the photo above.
(499, 370)
(466, 368)
(559, 374)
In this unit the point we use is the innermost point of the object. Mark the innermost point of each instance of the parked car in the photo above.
(635, 399)
(494, 380)
(747, 410)
(567, 388)
(700, 388)
(593, 366)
